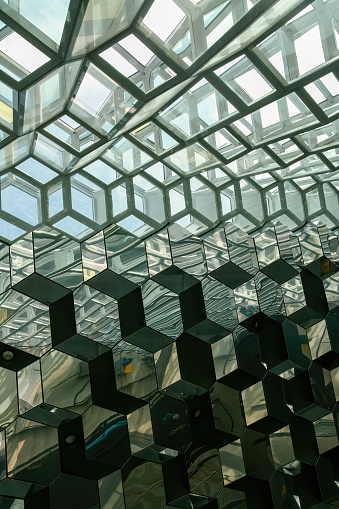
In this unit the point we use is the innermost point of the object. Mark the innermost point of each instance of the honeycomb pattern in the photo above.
(145, 113)
(173, 372)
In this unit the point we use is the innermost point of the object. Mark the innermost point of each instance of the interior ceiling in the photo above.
(148, 112)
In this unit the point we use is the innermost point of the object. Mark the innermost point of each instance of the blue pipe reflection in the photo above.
(109, 438)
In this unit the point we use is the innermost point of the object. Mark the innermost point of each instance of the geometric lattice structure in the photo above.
(144, 113)
(169, 258)
(172, 372)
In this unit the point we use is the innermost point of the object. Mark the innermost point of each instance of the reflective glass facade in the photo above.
(174, 372)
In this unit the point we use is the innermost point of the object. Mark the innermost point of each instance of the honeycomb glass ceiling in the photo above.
(149, 112)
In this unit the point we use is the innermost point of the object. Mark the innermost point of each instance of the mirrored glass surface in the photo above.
(32, 451)
(65, 381)
(134, 370)
(140, 429)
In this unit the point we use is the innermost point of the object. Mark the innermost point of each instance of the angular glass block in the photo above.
(72, 227)
(88, 199)
(216, 250)
(311, 393)
(319, 340)
(3, 454)
(51, 153)
(58, 257)
(293, 295)
(162, 309)
(143, 482)
(187, 252)
(93, 254)
(270, 297)
(306, 48)
(29, 387)
(203, 199)
(251, 367)
(326, 433)
(267, 247)
(95, 95)
(111, 492)
(282, 450)
(126, 255)
(167, 366)
(246, 300)
(51, 94)
(72, 133)
(65, 382)
(158, 253)
(37, 170)
(22, 259)
(7, 97)
(227, 409)
(219, 303)
(13, 61)
(224, 356)
(310, 245)
(96, 27)
(232, 462)
(254, 402)
(298, 349)
(177, 198)
(148, 198)
(241, 249)
(9, 397)
(28, 457)
(210, 107)
(202, 465)
(4, 268)
(25, 323)
(193, 159)
(223, 141)
(134, 371)
(286, 150)
(132, 58)
(289, 246)
(96, 316)
(103, 431)
(154, 138)
(140, 429)
(331, 287)
(126, 156)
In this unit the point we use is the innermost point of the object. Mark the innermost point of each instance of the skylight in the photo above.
(163, 18)
(22, 54)
(146, 113)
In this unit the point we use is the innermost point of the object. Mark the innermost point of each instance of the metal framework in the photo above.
(146, 113)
